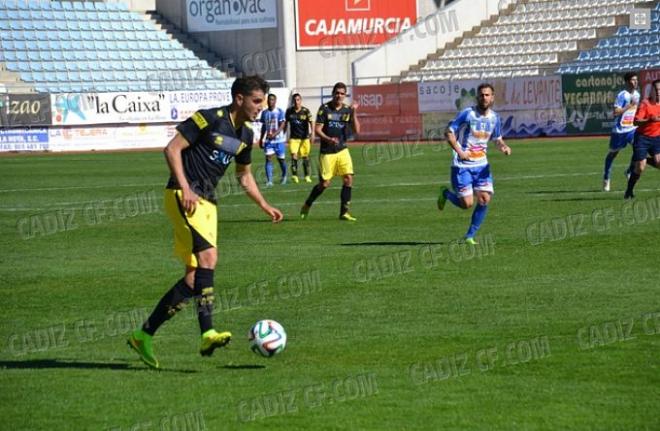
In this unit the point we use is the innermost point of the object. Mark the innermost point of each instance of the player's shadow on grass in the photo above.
(244, 367)
(614, 196)
(389, 243)
(57, 363)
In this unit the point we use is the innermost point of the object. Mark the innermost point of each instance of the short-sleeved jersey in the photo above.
(270, 122)
(473, 131)
(647, 110)
(625, 123)
(336, 124)
(298, 122)
(214, 143)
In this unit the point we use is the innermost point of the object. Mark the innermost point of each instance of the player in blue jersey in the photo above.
(272, 138)
(468, 134)
(623, 132)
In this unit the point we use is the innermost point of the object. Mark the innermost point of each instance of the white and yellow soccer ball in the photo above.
(267, 338)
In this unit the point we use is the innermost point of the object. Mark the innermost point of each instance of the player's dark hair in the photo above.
(485, 85)
(653, 95)
(294, 95)
(629, 75)
(338, 86)
(247, 84)
(273, 95)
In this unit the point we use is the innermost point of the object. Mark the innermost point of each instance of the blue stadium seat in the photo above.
(53, 42)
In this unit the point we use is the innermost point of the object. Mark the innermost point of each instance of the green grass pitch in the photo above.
(551, 322)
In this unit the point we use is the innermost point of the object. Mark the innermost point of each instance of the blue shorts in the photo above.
(277, 148)
(466, 181)
(645, 146)
(618, 141)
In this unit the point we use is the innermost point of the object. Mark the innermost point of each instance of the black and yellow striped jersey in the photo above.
(336, 124)
(214, 143)
(299, 122)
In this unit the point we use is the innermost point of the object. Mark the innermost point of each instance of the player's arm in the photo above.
(263, 130)
(310, 124)
(621, 106)
(282, 122)
(355, 123)
(319, 132)
(175, 162)
(453, 142)
(502, 146)
(499, 140)
(246, 179)
(642, 115)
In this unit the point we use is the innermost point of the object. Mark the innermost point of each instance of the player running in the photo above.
(301, 135)
(646, 148)
(623, 132)
(470, 171)
(332, 127)
(272, 139)
(198, 157)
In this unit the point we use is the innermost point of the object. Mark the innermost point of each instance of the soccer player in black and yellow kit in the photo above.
(332, 127)
(301, 135)
(198, 157)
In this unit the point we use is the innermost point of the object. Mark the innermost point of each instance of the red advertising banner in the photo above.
(389, 127)
(646, 77)
(388, 111)
(341, 24)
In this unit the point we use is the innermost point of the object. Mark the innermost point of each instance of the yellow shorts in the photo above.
(300, 147)
(192, 233)
(336, 164)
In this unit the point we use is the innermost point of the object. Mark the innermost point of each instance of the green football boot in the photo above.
(140, 341)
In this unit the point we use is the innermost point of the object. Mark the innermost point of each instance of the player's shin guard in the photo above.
(294, 167)
(282, 166)
(269, 170)
(345, 200)
(204, 298)
(478, 216)
(608, 164)
(306, 166)
(314, 194)
(170, 304)
(634, 176)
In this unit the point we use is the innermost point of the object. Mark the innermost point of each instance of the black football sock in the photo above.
(634, 176)
(204, 297)
(306, 167)
(651, 162)
(345, 199)
(294, 167)
(170, 304)
(315, 193)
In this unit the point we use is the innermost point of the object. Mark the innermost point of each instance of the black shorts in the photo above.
(645, 146)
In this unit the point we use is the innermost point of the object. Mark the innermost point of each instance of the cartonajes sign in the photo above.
(341, 24)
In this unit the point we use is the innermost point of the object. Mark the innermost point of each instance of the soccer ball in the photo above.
(267, 338)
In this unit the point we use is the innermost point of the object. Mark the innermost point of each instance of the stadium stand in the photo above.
(626, 50)
(62, 47)
(529, 39)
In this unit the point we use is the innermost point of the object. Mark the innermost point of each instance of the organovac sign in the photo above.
(223, 15)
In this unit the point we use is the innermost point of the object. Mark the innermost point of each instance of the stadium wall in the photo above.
(429, 35)
(272, 51)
